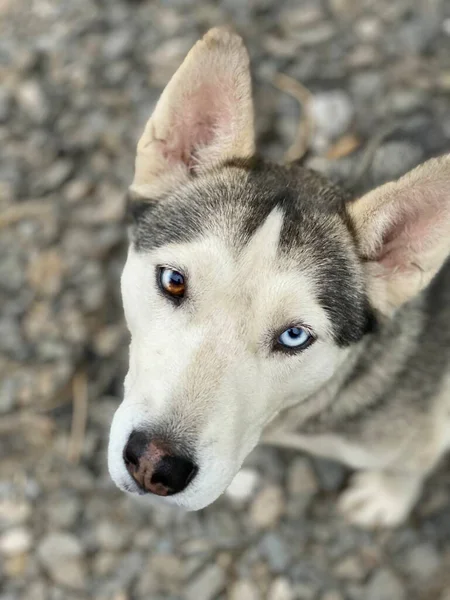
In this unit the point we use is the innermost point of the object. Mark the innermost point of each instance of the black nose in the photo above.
(155, 465)
(172, 473)
(136, 447)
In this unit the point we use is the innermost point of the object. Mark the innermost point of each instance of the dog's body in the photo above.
(262, 303)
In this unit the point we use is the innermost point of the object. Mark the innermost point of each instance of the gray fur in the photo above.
(236, 200)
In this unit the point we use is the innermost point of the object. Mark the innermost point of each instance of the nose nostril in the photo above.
(130, 457)
(172, 475)
(135, 448)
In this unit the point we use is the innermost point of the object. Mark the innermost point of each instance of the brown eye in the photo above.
(172, 282)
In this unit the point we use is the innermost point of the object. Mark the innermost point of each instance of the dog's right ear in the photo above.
(203, 117)
(403, 232)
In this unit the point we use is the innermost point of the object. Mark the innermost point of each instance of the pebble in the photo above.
(267, 507)
(168, 570)
(332, 112)
(330, 474)
(243, 485)
(111, 536)
(15, 541)
(14, 512)
(422, 561)
(384, 585)
(32, 100)
(45, 272)
(274, 548)
(53, 177)
(280, 589)
(332, 595)
(301, 480)
(351, 568)
(5, 105)
(69, 573)
(394, 159)
(244, 589)
(206, 585)
(63, 508)
(58, 546)
(118, 44)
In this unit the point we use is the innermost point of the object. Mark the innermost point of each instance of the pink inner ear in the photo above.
(203, 117)
(411, 233)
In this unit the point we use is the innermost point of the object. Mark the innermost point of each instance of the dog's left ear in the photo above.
(203, 117)
(403, 231)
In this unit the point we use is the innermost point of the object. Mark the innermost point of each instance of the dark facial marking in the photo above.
(234, 202)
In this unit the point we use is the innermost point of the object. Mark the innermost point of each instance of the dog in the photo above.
(264, 305)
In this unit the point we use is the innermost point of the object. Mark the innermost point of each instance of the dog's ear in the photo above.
(203, 117)
(403, 231)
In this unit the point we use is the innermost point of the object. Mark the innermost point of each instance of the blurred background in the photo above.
(78, 79)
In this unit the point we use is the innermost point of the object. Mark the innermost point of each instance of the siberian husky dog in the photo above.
(263, 305)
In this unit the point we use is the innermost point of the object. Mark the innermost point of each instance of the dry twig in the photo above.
(294, 88)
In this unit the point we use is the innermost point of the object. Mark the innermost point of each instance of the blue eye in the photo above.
(295, 338)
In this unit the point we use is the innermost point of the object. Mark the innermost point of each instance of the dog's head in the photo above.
(246, 284)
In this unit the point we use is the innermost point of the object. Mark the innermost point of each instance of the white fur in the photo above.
(212, 365)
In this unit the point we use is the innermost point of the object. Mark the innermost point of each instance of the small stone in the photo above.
(330, 474)
(168, 570)
(332, 113)
(78, 189)
(317, 34)
(32, 100)
(267, 507)
(405, 101)
(274, 549)
(332, 595)
(14, 512)
(108, 339)
(37, 590)
(45, 272)
(129, 566)
(69, 573)
(303, 591)
(350, 568)
(301, 480)
(110, 536)
(384, 585)
(394, 159)
(15, 541)
(367, 85)
(53, 177)
(368, 29)
(244, 589)
(207, 585)
(105, 563)
(300, 16)
(280, 589)
(14, 566)
(58, 546)
(243, 485)
(423, 561)
(5, 105)
(63, 509)
(109, 206)
(363, 56)
(118, 44)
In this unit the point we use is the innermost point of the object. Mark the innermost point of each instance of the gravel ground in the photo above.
(79, 79)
